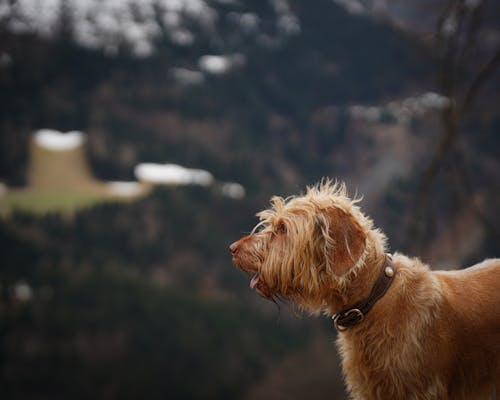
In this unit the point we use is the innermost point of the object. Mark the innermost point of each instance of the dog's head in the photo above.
(304, 247)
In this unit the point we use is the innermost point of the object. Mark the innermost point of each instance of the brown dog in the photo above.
(405, 332)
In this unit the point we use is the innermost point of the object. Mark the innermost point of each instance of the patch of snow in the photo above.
(172, 174)
(113, 25)
(218, 65)
(23, 291)
(450, 25)
(435, 101)
(249, 22)
(370, 113)
(125, 189)
(402, 110)
(172, 19)
(58, 141)
(110, 24)
(280, 6)
(233, 190)
(142, 48)
(289, 25)
(187, 76)
(182, 37)
(353, 7)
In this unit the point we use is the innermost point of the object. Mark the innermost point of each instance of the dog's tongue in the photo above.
(254, 281)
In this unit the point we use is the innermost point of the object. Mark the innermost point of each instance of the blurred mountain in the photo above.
(141, 299)
(174, 105)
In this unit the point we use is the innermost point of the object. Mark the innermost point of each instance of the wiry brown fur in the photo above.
(434, 335)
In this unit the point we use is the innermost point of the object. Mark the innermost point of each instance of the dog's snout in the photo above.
(233, 248)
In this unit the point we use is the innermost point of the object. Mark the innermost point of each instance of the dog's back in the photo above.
(473, 307)
(474, 292)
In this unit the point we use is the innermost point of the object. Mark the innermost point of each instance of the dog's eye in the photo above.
(259, 227)
(281, 228)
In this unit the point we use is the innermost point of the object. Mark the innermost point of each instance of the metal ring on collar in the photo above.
(339, 327)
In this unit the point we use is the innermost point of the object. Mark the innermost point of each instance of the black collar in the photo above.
(357, 312)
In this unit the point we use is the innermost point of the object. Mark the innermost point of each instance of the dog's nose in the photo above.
(234, 248)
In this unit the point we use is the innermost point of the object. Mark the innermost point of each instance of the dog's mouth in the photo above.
(254, 281)
(260, 286)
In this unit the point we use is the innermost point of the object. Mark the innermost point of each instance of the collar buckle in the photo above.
(349, 317)
(357, 312)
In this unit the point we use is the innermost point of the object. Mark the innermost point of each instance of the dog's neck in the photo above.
(356, 312)
(359, 282)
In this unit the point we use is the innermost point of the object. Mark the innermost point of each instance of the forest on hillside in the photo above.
(140, 299)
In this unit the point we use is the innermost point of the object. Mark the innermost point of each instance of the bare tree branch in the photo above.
(454, 45)
(479, 81)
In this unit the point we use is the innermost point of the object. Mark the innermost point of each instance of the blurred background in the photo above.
(139, 138)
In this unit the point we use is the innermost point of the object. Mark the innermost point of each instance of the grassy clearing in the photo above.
(60, 182)
(46, 202)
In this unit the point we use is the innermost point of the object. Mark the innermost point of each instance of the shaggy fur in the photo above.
(434, 335)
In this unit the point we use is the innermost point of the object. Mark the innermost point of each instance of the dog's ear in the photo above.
(344, 240)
